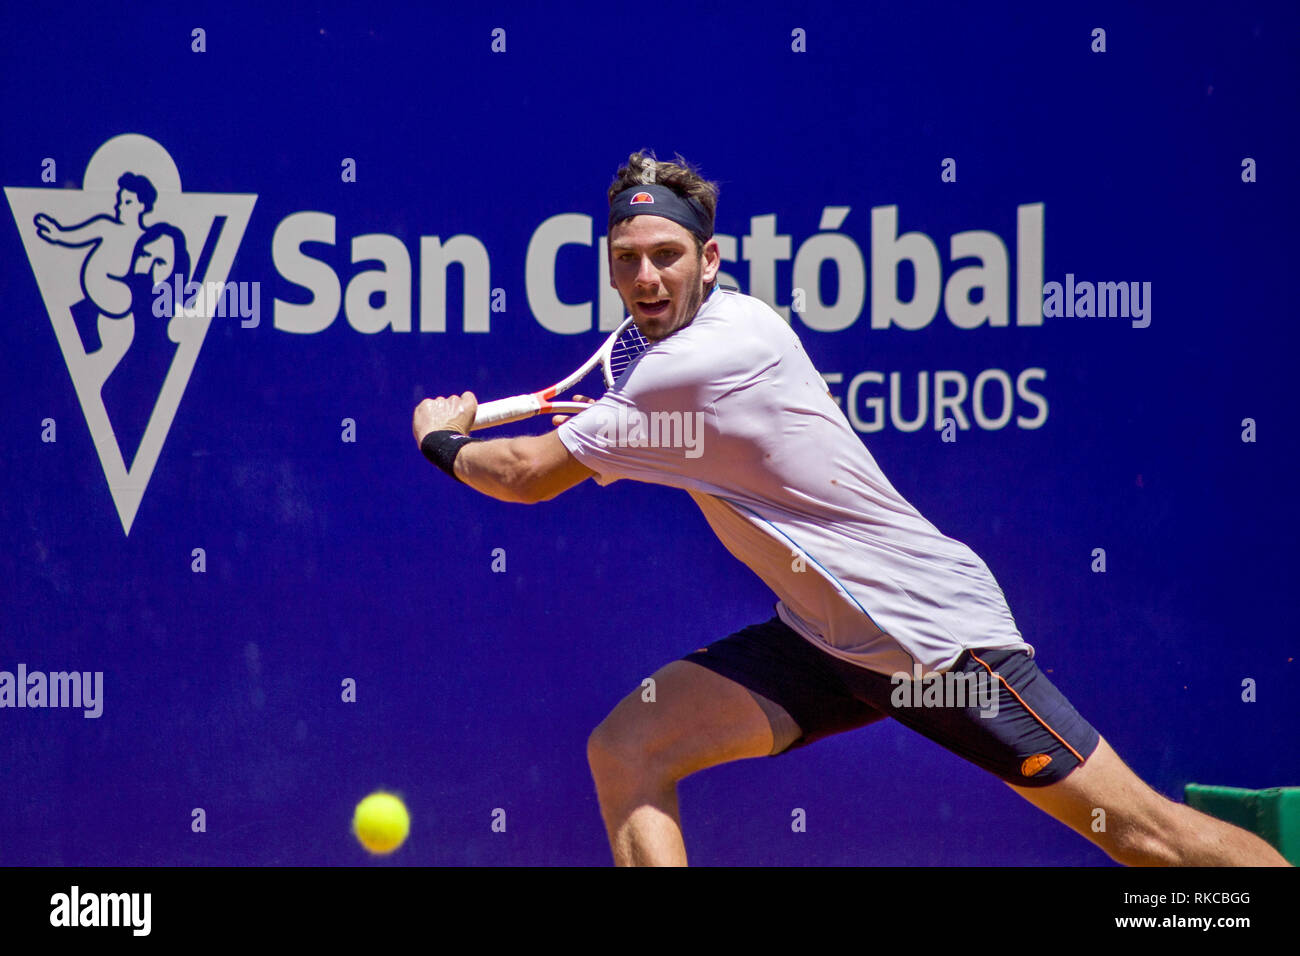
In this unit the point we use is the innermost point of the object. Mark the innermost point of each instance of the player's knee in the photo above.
(1143, 849)
(1142, 838)
(618, 757)
(607, 754)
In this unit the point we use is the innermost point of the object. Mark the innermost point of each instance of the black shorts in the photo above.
(994, 707)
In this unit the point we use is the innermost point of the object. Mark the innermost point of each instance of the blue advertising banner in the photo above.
(1041, 257)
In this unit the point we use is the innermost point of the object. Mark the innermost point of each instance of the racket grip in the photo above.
(506, 410)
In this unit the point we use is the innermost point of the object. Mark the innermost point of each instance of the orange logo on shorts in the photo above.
(1034, 764)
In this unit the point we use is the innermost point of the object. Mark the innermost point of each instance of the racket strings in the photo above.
(627, 348)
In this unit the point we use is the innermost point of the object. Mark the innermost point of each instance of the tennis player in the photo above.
(874, 600)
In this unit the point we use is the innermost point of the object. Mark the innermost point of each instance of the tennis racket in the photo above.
(619, 351)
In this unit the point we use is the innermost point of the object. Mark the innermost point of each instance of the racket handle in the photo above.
(506, 410)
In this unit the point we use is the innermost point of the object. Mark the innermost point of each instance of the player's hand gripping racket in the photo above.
(618, 352)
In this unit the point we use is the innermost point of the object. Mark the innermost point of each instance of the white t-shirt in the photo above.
(745, 424)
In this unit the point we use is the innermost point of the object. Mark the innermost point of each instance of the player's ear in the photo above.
(712, 260)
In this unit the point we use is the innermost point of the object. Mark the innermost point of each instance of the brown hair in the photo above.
(643, 169)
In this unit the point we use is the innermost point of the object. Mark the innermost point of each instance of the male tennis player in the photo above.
(868, 588)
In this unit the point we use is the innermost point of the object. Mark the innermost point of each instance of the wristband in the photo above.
(442, 447)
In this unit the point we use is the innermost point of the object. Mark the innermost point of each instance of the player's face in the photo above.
(655, 268)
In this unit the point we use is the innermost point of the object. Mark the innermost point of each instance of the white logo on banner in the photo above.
(98, 254)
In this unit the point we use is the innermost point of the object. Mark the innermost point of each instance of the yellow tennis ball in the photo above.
(381, 822)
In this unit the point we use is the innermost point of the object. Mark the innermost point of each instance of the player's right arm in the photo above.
(524, 469)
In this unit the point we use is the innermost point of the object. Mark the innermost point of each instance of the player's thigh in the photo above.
(696, 719)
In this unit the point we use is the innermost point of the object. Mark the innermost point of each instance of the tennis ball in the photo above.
(381, 822)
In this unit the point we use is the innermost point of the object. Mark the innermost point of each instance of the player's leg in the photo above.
(1025, 731)
(761, 691)
(643, 748)
(1138, 826)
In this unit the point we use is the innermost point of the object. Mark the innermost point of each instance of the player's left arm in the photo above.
(524, 469)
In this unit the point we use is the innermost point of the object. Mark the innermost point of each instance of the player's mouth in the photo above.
(653, 308)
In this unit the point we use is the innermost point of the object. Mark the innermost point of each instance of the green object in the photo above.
(1273, 814)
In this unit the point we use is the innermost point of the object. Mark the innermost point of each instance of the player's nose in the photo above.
(647, 274)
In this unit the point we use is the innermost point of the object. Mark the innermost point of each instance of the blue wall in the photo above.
(327, 560)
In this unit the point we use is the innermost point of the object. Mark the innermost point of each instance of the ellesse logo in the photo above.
(642, 197)
(1034, 764)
